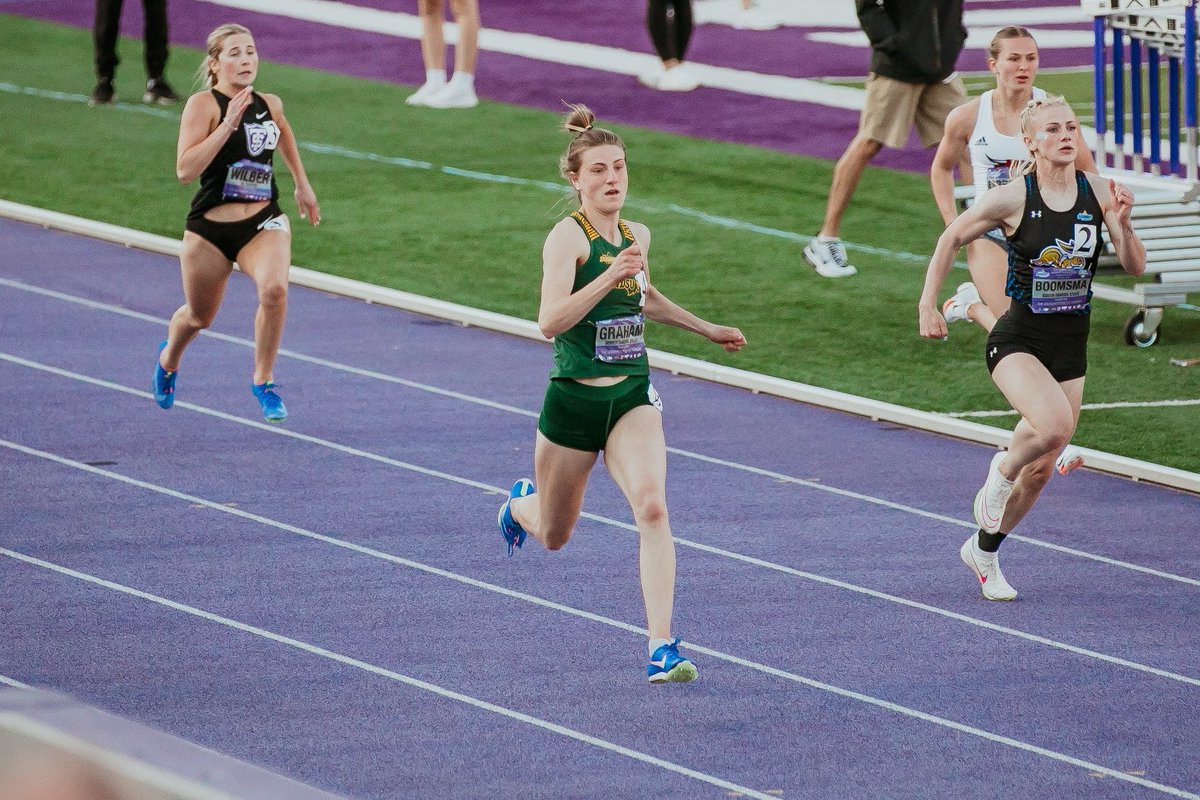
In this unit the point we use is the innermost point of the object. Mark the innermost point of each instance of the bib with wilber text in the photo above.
(247, 180)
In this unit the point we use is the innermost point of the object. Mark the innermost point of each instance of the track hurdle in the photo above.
(1144, 33)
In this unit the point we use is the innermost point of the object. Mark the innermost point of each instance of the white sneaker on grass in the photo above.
(828, 258)
(453, 95)
(986, 567)
(993, 497)
(955, 308)
(422, 95)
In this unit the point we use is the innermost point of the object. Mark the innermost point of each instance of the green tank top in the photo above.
(608, 340)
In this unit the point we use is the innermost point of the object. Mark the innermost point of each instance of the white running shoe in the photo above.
(427, 90)
(678, 79)
(986, 567)
(1070, 460)
(955, 308)
(453, 95)
(828, 258)
(993, 497)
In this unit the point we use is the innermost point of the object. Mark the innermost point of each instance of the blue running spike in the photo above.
(273, 408)
(510, 529)
(163, 385)
(667, 666)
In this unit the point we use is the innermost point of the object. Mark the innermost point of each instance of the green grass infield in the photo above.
(456, 205)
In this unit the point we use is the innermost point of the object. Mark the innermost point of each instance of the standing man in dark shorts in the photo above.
(914, 47)
(104, 33)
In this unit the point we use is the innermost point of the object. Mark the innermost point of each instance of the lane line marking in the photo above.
(613, 60)
(398, 677)
(1085, 407)
(558, 188)
(13, 682)
(417, 565)
(776, 476)
(585, 738)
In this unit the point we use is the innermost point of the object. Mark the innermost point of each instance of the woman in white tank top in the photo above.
(987, 130)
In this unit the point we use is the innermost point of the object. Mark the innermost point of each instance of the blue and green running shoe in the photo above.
(667, 666)
(163, 385)
(272, 404)
(510, 529)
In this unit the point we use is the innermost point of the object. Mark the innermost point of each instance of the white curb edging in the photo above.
(680, 365)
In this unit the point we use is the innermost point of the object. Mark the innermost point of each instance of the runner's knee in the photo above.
(555, 537)
(273, 294)
(200, 320)
(1055, 433)
(649, 507)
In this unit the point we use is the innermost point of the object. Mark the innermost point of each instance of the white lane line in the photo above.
(776, 476)
(558, 188)
(407, 680)
(13, 682)
(613, 60)
(753, 665)
(1085, 407)
(379, 554)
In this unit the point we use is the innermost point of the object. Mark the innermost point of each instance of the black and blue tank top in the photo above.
(1052, 254)
(242, 171)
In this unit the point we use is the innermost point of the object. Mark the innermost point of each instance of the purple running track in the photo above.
(830, 597)
(794, 127)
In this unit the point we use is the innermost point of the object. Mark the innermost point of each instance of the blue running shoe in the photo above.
(272, 404)
(667, 666)
(510, 529)
(163, 385)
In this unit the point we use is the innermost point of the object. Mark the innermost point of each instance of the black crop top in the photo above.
(241, 172)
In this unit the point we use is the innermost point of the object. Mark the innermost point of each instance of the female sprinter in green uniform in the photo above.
(1037, 351)
(596, 294)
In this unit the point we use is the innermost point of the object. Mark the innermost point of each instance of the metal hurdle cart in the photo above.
(1145, 34)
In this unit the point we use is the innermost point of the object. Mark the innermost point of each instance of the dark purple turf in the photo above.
(346, 731)
(793, 127)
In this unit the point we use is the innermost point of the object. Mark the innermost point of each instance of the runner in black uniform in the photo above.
(1037, 351)
(596, 294)
(227, 138)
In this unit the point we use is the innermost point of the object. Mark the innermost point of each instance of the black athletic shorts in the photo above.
(1058, 341)
(231, 237)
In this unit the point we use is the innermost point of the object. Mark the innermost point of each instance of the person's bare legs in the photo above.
(1034, 474)
(1048, 410)
(266, 260)
(988, 265)
(846, 175)
(636, 457)
(561, 476)
(433, 42)
(466, 50)
(205, 275)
